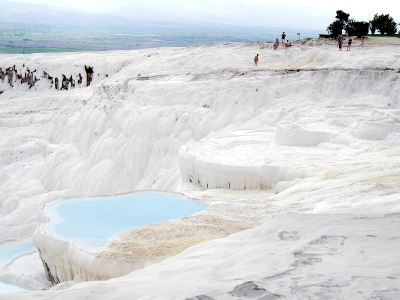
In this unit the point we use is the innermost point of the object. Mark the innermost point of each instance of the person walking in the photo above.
(362, 41)
(283, 37)
(256, 60)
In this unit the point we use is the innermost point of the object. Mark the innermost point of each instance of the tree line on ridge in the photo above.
(382, 23)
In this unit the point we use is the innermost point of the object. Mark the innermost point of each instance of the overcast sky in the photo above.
(354, 8)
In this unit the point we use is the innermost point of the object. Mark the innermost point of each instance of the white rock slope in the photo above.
(170, 119)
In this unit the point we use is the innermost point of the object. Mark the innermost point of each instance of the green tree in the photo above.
(372, 27)
(361, 28)
(342, 16)
(384, 23)
(350, 27)
(340, 23)
(336, 27)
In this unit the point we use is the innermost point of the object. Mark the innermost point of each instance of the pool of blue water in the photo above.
(93, 222)
(9, 251)
(10, 288)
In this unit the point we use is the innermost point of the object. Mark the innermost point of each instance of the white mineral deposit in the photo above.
(297, 160)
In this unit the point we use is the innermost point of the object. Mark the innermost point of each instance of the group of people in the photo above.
(349, 42)
(285, 43)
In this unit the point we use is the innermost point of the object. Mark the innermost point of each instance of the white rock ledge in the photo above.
(250, 160)
(143, 246)
(65, 261)
(375, 130)
(299, 137)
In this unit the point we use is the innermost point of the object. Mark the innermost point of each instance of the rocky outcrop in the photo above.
(13, 77)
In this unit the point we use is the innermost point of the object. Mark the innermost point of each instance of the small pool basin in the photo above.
(93, 222)
(11, 288)
(10, 251)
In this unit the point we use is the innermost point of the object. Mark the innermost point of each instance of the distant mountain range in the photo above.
(124, 13)
(38, 14)
(232, 12)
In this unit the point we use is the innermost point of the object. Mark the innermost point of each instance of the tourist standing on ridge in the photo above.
(329, 32)
(338, 38)
(276, 44)
(283, 38)
(340, 42)
(256, 60)
(362, 41)
(349, 44)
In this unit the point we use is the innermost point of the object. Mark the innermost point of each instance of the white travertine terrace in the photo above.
(244, 160)
(325, 122)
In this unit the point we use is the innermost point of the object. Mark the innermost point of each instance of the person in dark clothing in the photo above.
(340, 42)
(349, 44)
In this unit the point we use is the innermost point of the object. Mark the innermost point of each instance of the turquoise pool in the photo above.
(9, 251)
(10, 288)
(93, 222)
